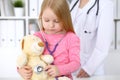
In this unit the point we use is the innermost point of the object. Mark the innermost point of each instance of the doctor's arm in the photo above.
(104, 38)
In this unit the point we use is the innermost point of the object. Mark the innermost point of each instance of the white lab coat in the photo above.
(96, 41)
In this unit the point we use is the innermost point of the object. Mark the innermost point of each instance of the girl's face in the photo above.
(50, 22)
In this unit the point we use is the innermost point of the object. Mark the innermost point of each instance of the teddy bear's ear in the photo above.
(41, 44)
(22, 44)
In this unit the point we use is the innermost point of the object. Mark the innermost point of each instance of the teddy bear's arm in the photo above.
(21, 60)
(47, 59)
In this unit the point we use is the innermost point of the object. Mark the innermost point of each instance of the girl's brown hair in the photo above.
(61, 10)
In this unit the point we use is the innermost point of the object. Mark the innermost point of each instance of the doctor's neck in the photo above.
(83, 3)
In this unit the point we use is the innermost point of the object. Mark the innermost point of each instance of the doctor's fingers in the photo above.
(82, 74)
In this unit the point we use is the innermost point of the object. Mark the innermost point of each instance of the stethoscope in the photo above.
(95, 3)
(47, 46)
(46, 42)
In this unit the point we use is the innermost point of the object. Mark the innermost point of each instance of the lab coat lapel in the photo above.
(74, 11)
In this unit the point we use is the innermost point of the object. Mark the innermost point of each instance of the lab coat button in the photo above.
(85, 31)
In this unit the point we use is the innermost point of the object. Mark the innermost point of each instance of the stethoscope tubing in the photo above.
(95, 3)
(74, 5)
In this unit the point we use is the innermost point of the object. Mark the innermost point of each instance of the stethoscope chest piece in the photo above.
(38, 69)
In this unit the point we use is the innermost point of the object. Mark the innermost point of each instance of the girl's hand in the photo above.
(25, 72)
(52, 70)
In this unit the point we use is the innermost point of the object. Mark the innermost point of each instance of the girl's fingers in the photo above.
(47, 67)
(50, 70)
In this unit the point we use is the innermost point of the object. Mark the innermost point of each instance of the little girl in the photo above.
(61, 42)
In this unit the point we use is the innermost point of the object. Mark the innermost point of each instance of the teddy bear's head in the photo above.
(31, 45)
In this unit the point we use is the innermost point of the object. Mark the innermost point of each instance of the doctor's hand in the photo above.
(26, 72)
(82, 74)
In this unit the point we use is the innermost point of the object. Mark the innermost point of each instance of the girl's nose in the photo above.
(51, 24)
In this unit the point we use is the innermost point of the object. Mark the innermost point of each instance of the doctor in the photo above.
(93, 23)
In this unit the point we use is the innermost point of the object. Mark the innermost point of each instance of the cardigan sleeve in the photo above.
(74, 58)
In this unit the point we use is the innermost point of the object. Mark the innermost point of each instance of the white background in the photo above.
(8, 56)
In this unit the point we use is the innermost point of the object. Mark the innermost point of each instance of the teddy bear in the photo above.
(32, 48)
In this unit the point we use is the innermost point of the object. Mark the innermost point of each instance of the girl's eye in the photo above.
(46, 20)
(56, 21)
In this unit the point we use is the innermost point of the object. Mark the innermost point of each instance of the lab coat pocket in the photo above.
(89, 37)
(90, 27)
